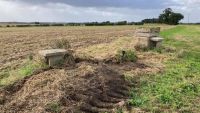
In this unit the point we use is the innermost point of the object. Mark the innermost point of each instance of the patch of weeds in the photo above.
(166, 97)
(20, 73)
(120, 110)
(158, 50)
(26, 70)
(141, 48)
(60, 44)
(4, 74)
(189, 87)
(170, 49)
(182, 53)
(30, 56)
(30, 67)
(128, 76)
(137, 100)
(53, 107)
(126, 56)
(145, 49)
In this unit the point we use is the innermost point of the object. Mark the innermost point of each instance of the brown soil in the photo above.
(89, 87)
(16, 44)
(92, 86)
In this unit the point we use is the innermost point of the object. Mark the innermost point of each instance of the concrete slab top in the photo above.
(157, 39)
(52, 52)
(147, 35)
(148, 30)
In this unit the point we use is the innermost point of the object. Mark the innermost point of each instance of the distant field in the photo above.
(16, 44)
(161, 80)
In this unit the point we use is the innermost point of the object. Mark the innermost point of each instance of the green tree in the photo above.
(169, 17)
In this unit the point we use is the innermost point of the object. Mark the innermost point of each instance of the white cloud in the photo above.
(51, 12)
(190, 8)
(61, 12)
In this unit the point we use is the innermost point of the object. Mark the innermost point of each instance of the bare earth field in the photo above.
(93, 86)
(16, 44)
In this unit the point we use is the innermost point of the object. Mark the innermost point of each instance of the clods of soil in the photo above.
(89, 87)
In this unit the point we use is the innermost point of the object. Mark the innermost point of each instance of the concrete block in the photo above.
(148, 30)
(55, 60)
(143, 30)
(147, 35)
(156, 42)
(143, 41)
(52, 52)
(157, 39)
(53, 56)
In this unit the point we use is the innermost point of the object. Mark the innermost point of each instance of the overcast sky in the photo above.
(93, 10)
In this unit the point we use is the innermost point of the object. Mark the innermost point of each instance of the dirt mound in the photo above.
(90, 86)
(87, 88)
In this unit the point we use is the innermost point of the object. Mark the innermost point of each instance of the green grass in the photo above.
(53, 107)
(177, 89)
(126, 56)
(10, 76)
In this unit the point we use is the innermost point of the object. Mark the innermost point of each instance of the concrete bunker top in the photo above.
(157, 39)
(148, 30)
(52, 52)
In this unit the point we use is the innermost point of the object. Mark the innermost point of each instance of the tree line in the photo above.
(106, 23)
(167, 17)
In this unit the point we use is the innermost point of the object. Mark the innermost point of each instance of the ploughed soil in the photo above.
(88, 87)
(16, 44)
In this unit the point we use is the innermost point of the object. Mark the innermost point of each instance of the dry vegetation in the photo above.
(16, 44)
(95, 84)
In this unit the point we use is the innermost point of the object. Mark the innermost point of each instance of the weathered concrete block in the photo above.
(157, 39)
(147, 35)
(148, 30)
(53, 56)
(144, 41)
(156, 42)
